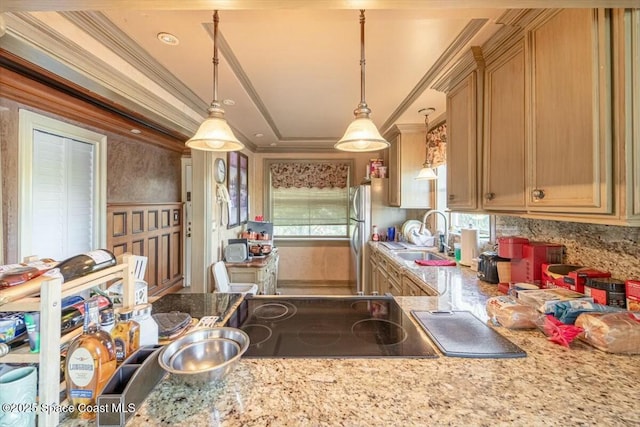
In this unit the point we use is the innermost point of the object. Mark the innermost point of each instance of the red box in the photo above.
(633, 295)
(576, 279)
(553, 275)
(511, 247)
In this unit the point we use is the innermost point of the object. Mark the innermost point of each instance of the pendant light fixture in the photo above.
(215, 134)
(427, 172)
(362, 135)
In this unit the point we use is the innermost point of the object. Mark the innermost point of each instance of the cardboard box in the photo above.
(576, 279)
(553, 275)
(633, 295)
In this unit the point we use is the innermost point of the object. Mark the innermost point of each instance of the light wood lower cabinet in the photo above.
(264, 274)
(389, 277)
(381, 276)
(395, 280)
(411, 287)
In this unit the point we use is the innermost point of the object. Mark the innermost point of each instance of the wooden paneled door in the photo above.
(151, 230)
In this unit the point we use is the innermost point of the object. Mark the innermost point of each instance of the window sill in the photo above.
(311, 241)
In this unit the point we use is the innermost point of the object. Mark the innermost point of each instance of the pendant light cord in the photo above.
(362, 60)
(215, 57)
(427, 143)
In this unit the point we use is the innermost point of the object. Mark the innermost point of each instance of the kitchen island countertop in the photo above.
(553, 385)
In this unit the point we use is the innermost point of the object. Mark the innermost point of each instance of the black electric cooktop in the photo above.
(356, 326)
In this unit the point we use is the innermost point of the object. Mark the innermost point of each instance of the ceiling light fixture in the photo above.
(427, 172)
(362, 134)
(215, 134)
(168, 38)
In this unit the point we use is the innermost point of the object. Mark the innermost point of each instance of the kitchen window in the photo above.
(459, 220)
(62, 187)
(308, 198)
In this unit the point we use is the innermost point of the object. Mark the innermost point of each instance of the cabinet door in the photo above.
(406, 157)
(570, 139)
(373, 273)
(461, 145)
(395, 170)
(381, 281)
(504, 184)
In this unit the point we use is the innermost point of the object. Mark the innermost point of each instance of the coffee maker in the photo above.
(527, 257)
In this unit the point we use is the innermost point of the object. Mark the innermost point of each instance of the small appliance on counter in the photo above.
(236, 250)
(488, 266)
(527, 257)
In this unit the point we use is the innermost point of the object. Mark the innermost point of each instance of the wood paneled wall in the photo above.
(153, 230)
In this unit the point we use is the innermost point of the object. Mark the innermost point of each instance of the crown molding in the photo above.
(441, 64)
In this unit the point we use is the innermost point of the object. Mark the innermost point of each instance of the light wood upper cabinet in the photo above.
(629, 77)
(406, 157)
(569, 87)
(462, 145)
(504, 160)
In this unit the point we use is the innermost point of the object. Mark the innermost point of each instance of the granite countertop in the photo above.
(553, 385)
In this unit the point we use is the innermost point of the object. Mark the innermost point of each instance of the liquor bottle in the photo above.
(72, 317)
(126, 335)
(90, 262)
(90, 362)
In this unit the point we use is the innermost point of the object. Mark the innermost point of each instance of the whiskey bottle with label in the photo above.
(90, 362)
(126, 335)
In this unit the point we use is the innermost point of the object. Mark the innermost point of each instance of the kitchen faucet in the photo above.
(446, 228)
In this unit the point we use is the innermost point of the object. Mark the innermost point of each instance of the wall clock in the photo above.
(220, 170)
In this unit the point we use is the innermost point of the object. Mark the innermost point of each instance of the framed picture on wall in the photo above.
(244, 188)
(233, 160)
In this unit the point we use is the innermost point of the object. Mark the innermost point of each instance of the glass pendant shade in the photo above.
(426, 173)
(362, 135)
(215, 134)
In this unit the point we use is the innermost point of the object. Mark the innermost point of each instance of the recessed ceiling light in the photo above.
(258, 135)
(168, 38)
(228, 102)
(136, 131)
(273, 144)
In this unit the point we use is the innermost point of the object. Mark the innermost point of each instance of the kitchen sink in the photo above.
(414, 255)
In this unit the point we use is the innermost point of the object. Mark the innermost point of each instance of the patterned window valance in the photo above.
(437, 143)
(309, 175)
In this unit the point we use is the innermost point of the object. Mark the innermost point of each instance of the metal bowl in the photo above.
(204, 355)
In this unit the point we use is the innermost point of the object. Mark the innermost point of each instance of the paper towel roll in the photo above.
(468, 245)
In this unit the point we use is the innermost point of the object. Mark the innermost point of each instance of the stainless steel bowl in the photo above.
(204, 355)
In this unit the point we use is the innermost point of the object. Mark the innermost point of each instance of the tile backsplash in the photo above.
(604, 247)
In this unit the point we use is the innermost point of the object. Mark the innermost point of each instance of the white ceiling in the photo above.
(292, 67)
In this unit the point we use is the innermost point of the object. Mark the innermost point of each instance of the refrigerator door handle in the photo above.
(355, 239)
(355, 203)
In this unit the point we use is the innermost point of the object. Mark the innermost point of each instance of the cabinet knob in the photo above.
(537, 194)
(490, 196)
(451, 197)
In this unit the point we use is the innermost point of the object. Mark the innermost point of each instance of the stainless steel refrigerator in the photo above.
(368, 208)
